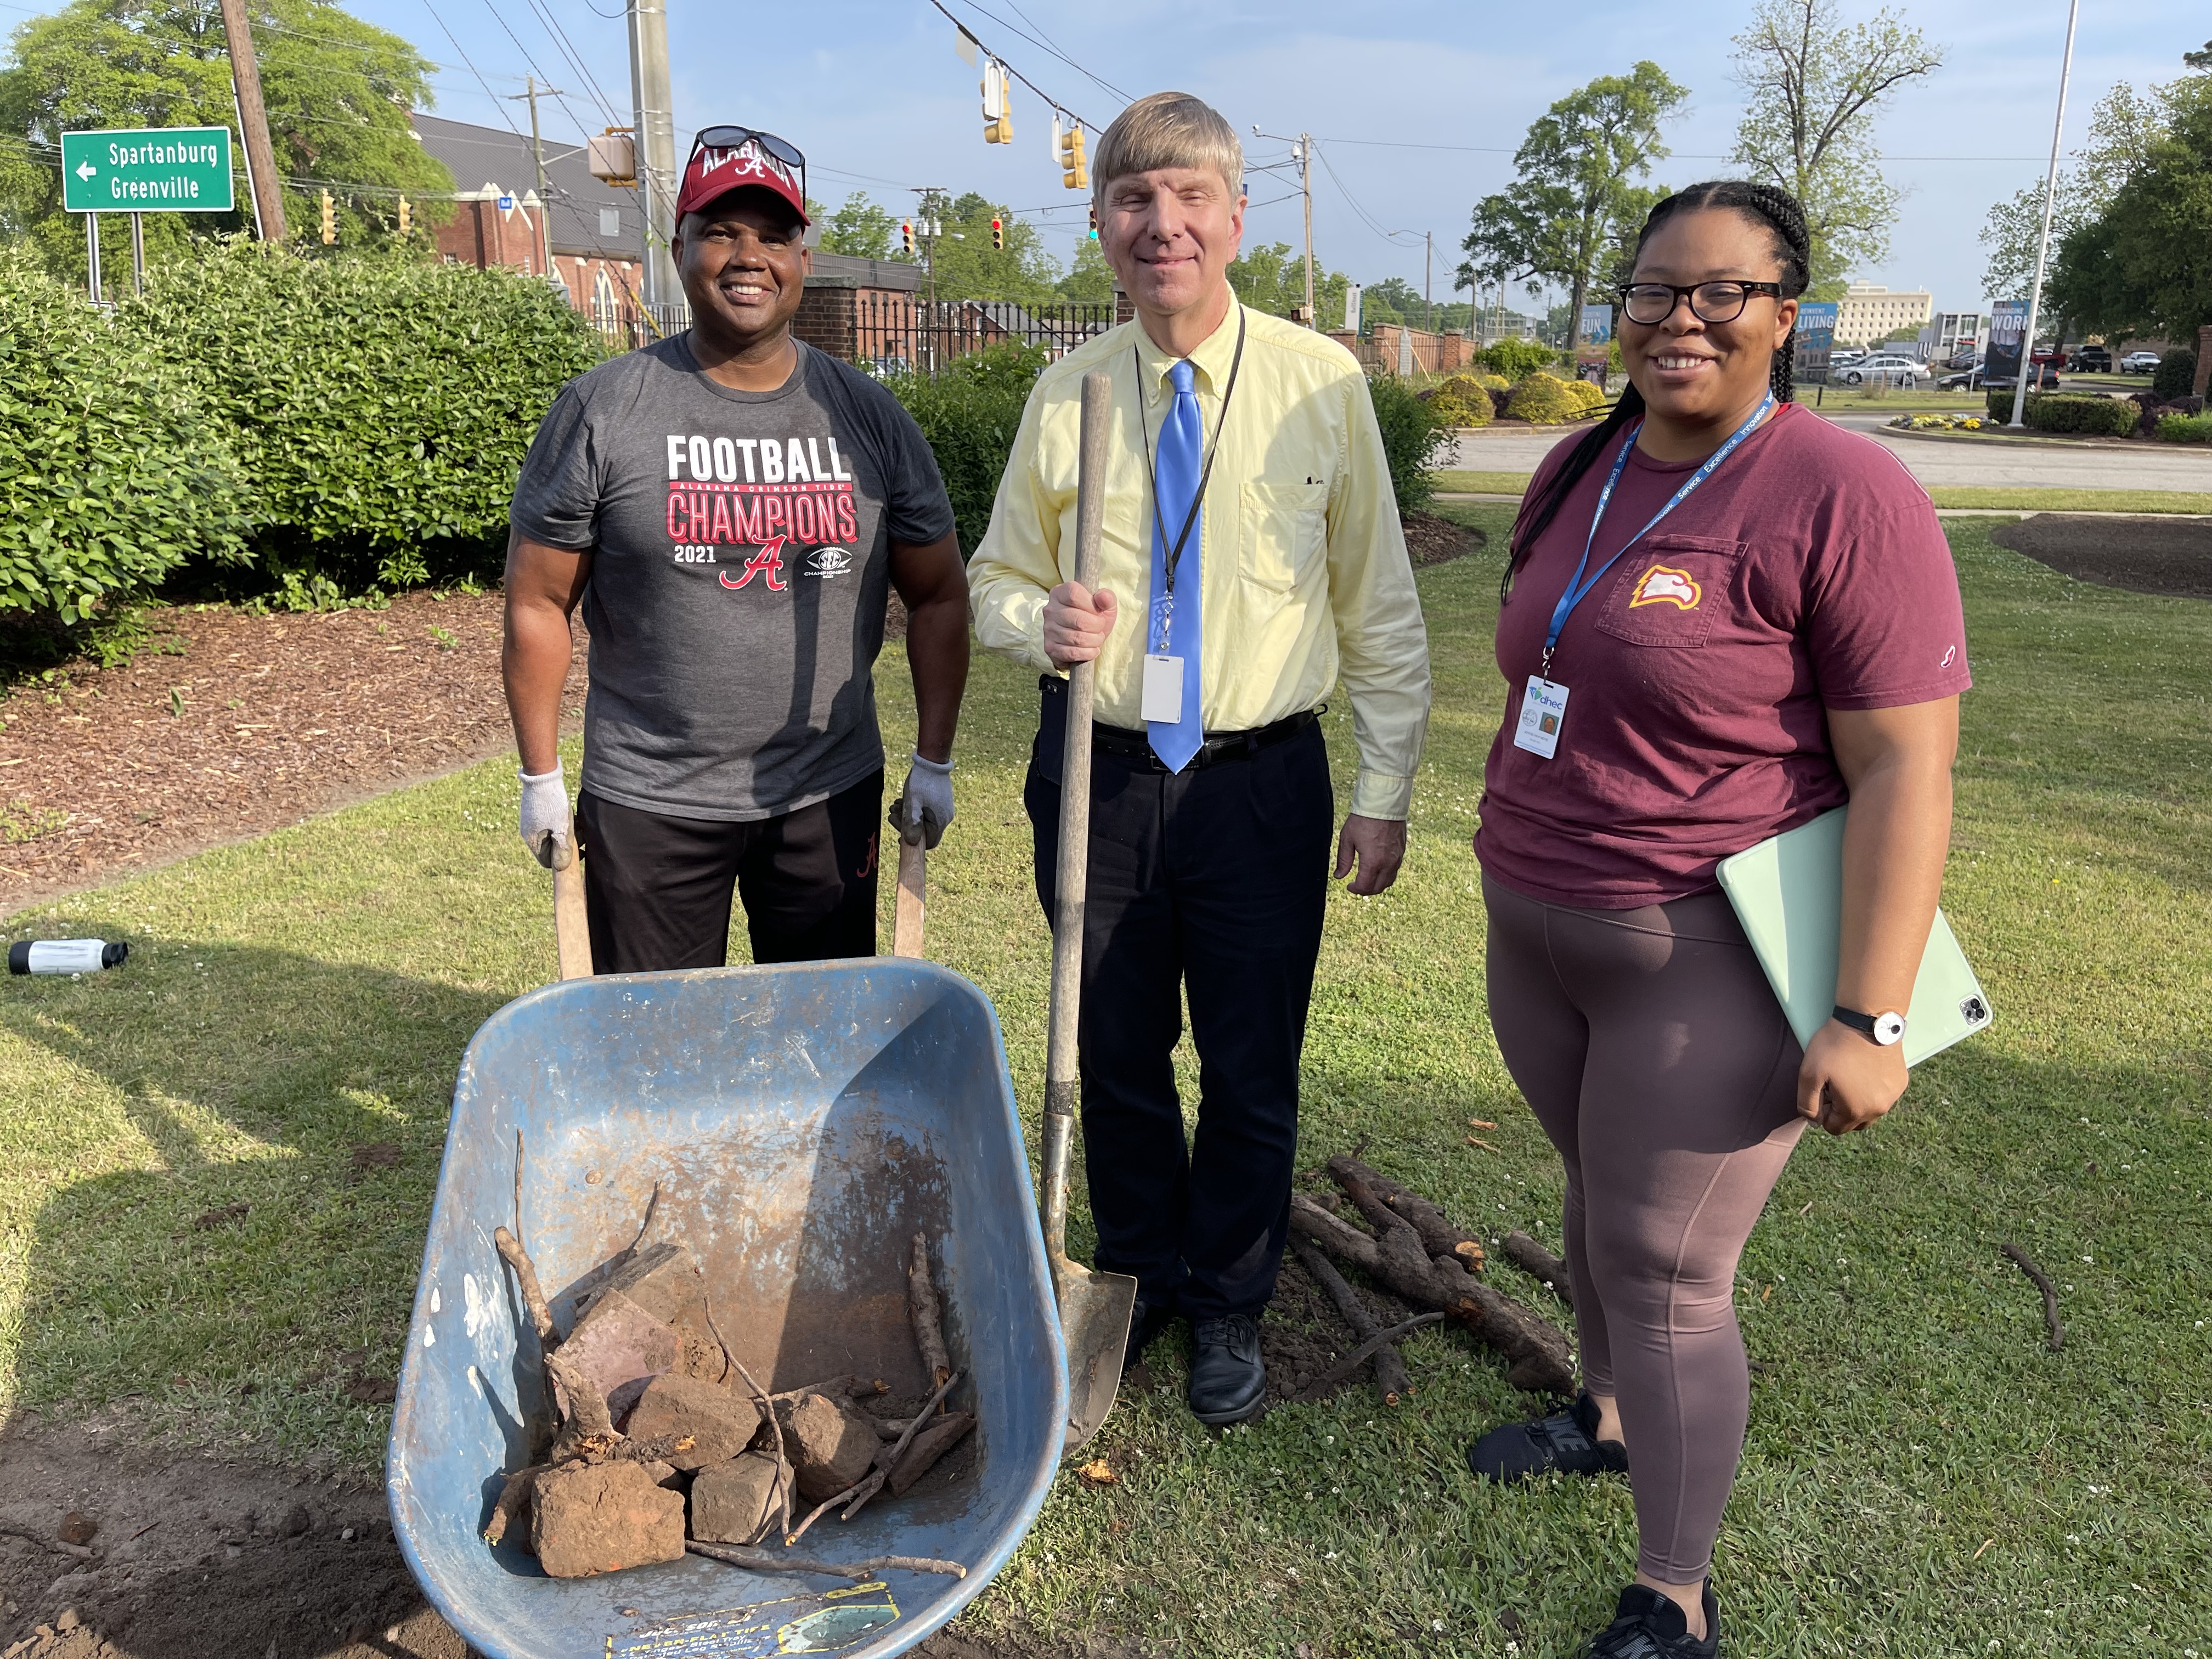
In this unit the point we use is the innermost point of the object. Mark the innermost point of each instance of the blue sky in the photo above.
(873, 92)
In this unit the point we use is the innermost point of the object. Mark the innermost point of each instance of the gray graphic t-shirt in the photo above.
(740, 571)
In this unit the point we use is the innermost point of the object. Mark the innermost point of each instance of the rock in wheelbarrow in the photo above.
(719, 1424)
(832, 1444)
(621, 1348)
(734, 1502)
(588, 1518)
(665, 1281)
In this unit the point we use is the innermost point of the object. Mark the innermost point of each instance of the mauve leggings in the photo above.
(1657, 1060)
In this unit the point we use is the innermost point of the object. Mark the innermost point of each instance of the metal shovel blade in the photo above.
(1095, 1312)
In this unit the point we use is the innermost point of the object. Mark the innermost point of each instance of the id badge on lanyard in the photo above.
(1544, 703)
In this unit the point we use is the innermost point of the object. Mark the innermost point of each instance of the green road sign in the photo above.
(147, 170)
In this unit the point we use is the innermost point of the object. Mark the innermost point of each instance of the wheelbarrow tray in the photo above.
(802, 1123)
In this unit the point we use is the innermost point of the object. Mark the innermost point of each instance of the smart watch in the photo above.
(1884, 1028)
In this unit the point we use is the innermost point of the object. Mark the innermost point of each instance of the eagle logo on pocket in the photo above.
(1664, 585)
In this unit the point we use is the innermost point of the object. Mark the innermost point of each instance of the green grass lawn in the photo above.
(2025, 499)
(1922, 1477)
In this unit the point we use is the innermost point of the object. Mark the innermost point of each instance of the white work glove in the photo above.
(926, 807)
(545, 818)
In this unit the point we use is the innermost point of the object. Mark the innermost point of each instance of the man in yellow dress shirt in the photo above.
(1249, 500)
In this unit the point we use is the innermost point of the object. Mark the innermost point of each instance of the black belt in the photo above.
(1218, 747)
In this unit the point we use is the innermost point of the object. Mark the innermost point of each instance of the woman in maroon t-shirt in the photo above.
(1723, 616)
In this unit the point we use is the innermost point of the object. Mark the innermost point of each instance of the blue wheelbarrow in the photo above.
(799, 1124)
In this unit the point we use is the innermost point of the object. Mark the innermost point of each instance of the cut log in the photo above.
(1391, 1380)
(1540, 1264)
(1537, 1349)
(928, 1321)
(1438, 1236)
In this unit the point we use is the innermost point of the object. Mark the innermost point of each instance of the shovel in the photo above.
(1095, 1308)
(572, 931)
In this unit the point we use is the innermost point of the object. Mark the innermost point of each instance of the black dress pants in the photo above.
(1212, 881)
(657, 888)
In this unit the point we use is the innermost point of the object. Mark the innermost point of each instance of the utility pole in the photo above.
(1302, 153)
(2043, 246)
(537, 161)
(1428, 278)
(655, 118)
(929, 228)
(253, 117)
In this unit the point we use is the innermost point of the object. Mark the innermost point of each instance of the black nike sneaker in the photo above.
(1567, 1442)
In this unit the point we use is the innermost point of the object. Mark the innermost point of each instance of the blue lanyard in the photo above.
(1577, 589)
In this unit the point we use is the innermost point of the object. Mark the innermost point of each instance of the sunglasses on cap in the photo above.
(727, 137)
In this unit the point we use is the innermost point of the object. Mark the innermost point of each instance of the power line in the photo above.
(1045, 46)
(1058, 107)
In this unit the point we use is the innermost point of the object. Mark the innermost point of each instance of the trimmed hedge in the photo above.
(2059, 411)
(1411, 438)
(971, 414)
(1517, 359)
(1587, 394)
(113, 473)
(1460, 401)
(2175, 375)
(1544, 400)
(2185, 430)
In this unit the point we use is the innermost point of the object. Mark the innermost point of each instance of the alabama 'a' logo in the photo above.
(1664, 585)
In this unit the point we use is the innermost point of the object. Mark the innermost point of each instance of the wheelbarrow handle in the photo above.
(1074, 852)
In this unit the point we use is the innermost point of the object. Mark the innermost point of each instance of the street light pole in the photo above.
(2050, 201)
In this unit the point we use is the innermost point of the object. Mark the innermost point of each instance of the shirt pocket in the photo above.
(1668, 589)
(1285, 532)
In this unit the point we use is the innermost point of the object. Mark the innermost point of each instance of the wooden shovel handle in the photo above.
(572, 930)
(913, 898)
(1074, 868)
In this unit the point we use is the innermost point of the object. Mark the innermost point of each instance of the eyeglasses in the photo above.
(732, 137)
(1710, 302)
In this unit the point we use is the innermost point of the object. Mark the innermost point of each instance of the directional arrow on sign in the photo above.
(85, 169)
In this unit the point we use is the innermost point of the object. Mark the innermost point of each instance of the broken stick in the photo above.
(878, 1471)
(590, 1427)
(1539, 1263)
(784, 1474)
(1537, 1348)
(2042, 1282)
(770, 1561)
(525, 1279)
(923, 1307)
(1391, 1379)
(1438, 1236)
(1358, 1357)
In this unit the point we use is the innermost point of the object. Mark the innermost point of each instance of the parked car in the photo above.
(2091, 360)
(2044, 379)
(2139, 362)
(2048, 354)
(1885, 371)
(1964, 381)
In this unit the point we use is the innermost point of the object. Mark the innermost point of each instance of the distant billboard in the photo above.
(2007, 327)
(1816, 339)
(1594, 334)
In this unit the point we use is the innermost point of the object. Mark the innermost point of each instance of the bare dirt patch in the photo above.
(2143, 555)
(1432, 540)
(231, 725)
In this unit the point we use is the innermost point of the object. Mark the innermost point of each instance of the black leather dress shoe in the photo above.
(1147, 1321)
(1227, 1378)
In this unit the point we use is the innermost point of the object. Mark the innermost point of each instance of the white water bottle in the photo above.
(64, 956)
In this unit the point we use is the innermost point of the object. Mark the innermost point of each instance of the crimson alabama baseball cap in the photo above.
(726, 159)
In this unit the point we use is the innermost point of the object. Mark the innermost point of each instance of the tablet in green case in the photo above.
(1788, 892)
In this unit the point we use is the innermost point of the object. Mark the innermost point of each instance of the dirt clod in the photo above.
(719, 1424)
(619, 1347)
(832, 1444)
(734, 1502)
(601, 1518)
(297, 1522)
(78, 1528)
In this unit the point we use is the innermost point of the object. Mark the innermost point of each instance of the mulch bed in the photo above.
(231, 725)
(2143, 555)
(1432, 540)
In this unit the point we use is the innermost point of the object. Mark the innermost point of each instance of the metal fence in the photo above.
(629, 323)
(902, 334)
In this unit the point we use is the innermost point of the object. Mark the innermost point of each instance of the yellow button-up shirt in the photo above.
(1302, 558)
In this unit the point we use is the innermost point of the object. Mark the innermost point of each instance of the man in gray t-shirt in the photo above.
(732, 508)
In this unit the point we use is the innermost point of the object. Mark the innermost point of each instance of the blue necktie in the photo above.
(1177, 630)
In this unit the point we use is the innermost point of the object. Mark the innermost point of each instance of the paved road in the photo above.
(2039, 466)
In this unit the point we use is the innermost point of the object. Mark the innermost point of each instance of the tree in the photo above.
(1089, 279)
(859, 229)
(969, 268)
(1815, 88)
(2137, 265)
(2121, 128)
(1573, 205)
(338, 93)
(1271, 277)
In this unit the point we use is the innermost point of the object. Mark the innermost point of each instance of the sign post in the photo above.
(140, 170)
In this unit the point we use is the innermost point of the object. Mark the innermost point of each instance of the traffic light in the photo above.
(999, 234)
(330, 220)
(1094, 221)
(998, 104)
(1073, 173)
(906, 236)
(406, 219)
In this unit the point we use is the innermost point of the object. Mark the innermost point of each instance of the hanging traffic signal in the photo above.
(906, 236)
(998, 104)
(330, 220)
(406, 220)
(999, 234)
(1073, 173)
(1094, 221)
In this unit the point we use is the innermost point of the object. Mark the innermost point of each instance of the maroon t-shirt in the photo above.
(1807, 573)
